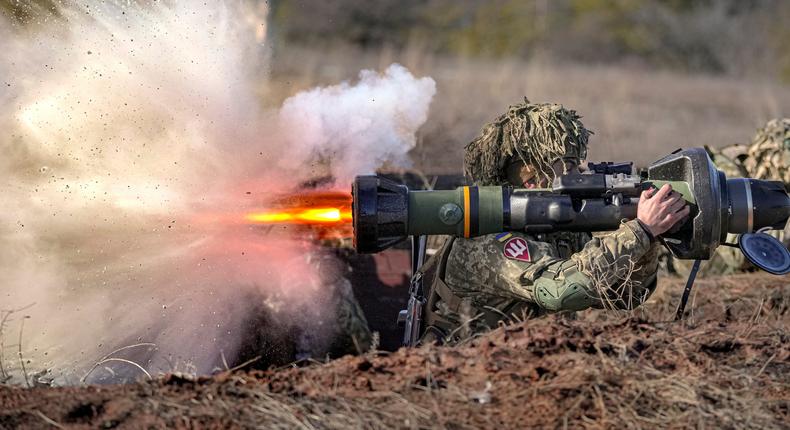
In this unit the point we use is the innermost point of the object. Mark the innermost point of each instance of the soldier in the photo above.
(474, 284)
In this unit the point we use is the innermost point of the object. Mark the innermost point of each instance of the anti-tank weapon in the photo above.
(384, 213)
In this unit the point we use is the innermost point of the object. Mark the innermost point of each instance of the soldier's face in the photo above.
(524, 175)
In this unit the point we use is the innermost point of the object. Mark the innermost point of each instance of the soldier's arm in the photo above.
(616, 270)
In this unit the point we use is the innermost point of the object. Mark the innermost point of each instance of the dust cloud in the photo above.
(133, 144)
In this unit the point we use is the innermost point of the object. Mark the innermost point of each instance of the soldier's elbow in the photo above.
(556, 297)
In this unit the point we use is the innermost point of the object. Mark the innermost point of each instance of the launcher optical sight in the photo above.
(384, 212)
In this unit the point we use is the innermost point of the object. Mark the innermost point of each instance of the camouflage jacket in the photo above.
(474, 284)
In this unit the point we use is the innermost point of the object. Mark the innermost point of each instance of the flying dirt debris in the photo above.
(134, 137)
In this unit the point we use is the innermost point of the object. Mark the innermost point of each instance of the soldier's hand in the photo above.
(660, 210)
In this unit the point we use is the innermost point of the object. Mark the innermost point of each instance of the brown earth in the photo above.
(726, 366)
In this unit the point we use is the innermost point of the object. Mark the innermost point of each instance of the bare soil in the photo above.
(726, 366)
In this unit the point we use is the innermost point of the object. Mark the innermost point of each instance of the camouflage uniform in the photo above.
(474, 284)
(766, 157)
(353, 331)
(347, 327)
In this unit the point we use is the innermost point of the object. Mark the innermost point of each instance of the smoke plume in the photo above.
(133, 145)
(358, 126)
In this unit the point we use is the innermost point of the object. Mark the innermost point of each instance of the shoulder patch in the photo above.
(504, 236)
(517, 249)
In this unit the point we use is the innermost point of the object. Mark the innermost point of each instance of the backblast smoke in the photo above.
(133, 146)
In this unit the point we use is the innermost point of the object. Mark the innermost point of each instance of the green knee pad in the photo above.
(566, 293)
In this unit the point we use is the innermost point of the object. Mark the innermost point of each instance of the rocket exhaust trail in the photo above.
(326, 212)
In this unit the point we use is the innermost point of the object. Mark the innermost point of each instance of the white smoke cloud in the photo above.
(361, 126)
(133, 144)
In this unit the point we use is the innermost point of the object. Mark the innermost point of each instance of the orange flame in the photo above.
(302, 215)
(328, 213)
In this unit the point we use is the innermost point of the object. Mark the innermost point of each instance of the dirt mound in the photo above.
(727, 366)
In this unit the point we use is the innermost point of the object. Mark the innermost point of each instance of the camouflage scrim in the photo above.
(537, 134)
(769, 152)
(730, 159)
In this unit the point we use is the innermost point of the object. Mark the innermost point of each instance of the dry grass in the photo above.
(636, 114)
(724, 367)
(12, 366)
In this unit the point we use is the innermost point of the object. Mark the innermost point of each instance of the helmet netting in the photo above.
(537, 134)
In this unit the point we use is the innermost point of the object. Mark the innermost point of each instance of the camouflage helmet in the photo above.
(769, 152)
(537, 134)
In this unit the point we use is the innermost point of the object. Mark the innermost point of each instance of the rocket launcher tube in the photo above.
(475, 211)
(385, 213)
(463, 212)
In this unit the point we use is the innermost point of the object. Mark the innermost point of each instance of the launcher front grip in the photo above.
(681, 187)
